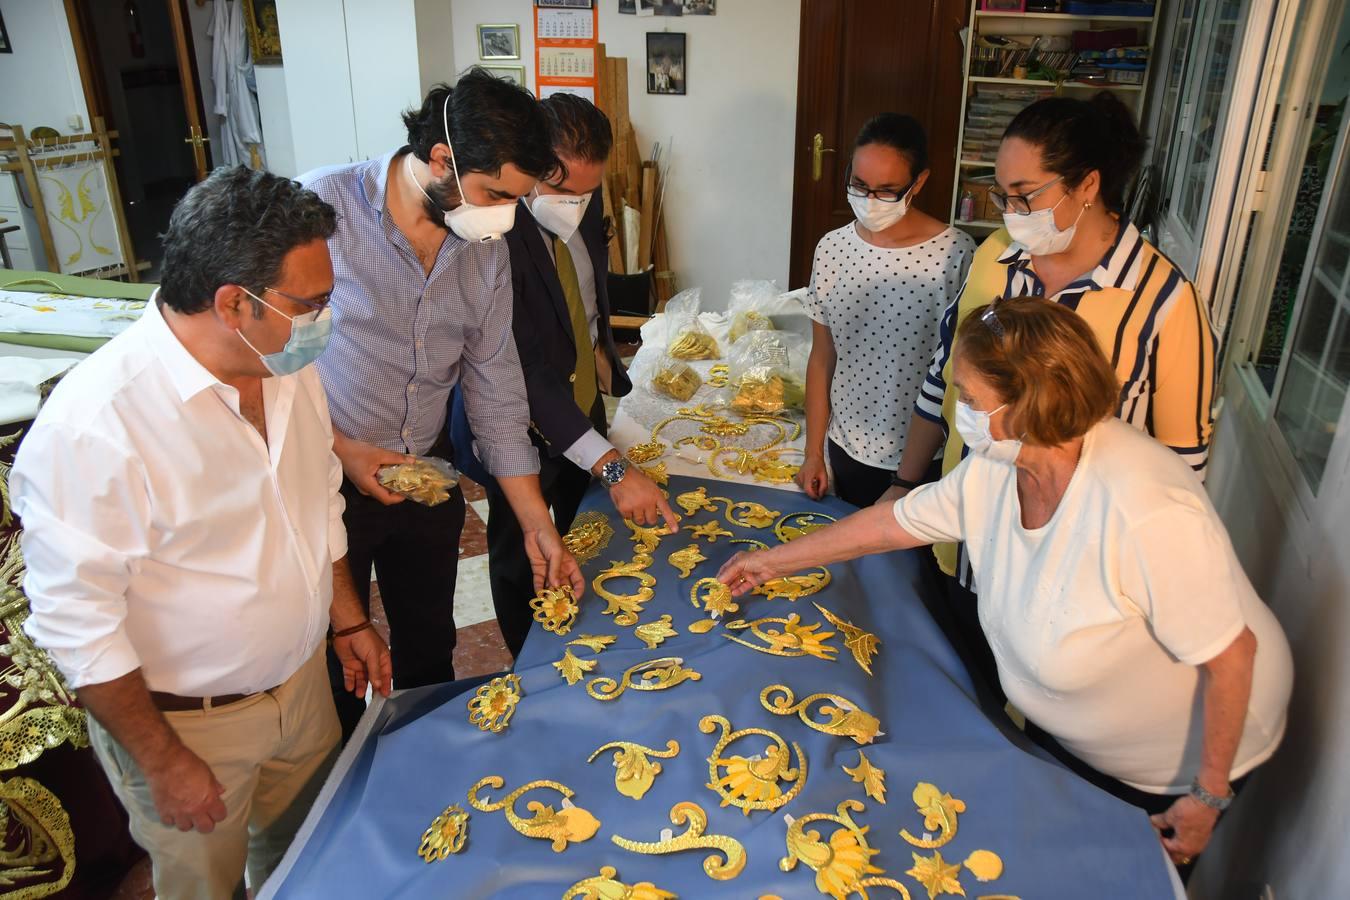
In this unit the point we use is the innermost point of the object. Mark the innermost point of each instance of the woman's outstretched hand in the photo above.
(748, 570)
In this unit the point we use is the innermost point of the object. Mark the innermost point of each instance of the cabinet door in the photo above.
(382, 56)
(318, 82)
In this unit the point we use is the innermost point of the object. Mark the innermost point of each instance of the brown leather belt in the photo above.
(174, 703)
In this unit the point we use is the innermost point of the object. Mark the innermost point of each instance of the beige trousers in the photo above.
(271, 752)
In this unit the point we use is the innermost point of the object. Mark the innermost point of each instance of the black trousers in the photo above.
(855, 482)
(415, 551)
(563, 485)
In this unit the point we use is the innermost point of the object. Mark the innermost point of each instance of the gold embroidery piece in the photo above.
(626, 607)
(733, 851)
(595, 642)
(748, 514)
(694, 345)
(843, 865)
(939, 811)
(656, 473)
(555, 609)
(677, 380)
(702, 626)
(872, 778)
(985, 865)
(606, 886)
(737, 459)
(845, 719)
(656, 675)
(799, 524)
(718, 375)
(715, 597)
(571, 824)
(654, 634)
(792, 587)
(589, 534)
(710, 530)
(571, 668)
(650, 451)
(695, 500)
(633, 771)
(446, 835)
(795, 639)
(862, 644)
(494, 704)
(770, 468)
(719, 426)
(646, 537)
(685, 560)
(754, 544)
(37, 842)
(936, 875)
(752, 784)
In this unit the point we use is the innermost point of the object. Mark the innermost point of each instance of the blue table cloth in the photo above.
(1058, 836)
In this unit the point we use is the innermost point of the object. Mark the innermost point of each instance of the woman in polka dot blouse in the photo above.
(878, 289)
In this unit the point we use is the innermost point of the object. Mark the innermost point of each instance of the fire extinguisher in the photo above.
(133, 20)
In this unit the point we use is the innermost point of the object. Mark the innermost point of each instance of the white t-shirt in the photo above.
(1100, 619)
(882, 306)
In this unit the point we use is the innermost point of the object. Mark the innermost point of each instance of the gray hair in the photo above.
(236, 227)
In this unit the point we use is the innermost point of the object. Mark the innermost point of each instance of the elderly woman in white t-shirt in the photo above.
(1119, 616)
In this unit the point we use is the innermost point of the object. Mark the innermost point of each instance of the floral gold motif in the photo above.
(862, 644)
(641, 454)
(656, 473)
(714, 596)
(626, 607)
(720, 426)
(702, 626)
(936, 875)
(645, 537)
(595, 642)
(845, 719)
(590, 533)
(495, 703)
(655, 675)
(872, 778)
(709, 530)
(752, 784)
(572, 668)
(985, 865)
(843, 864)
(733, 851)
(606, 886)
(555, 609)
(633, 771)
(794, 639)
(799, 524)
(571, 824)
(685, 560)
(748, 514)
(694, 501)
(654, 634)
(446, 835)
(37, 844)
(939, 811)
(792, 587)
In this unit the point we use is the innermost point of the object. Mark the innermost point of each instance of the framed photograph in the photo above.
(700, 7)
(513, 74)
(659, 8)
(666, 70)
(627, 7)
(4, 38)
(264, 35)
(499, 42)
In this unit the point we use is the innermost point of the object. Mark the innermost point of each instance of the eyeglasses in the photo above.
(318, 306)
(860, 190)
(1019, 204)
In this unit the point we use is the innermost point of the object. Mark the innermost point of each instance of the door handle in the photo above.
(818, 150)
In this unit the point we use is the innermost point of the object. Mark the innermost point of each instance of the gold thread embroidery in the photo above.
(862, 644)
(800, 524)
(752, 784)
(843, 866)
(653, 634)
(589, 534)
(447, 834)
(939, 811)
(685, 560)
(571, 824)
(872, 778)
(710, 530)
(572, 668)
(634, 773)
(985, 865)
(748, 514)
(792, 587)
(795, 639)
(936, 875)
(656, 675)
(702, 626)
(555, 609)
(495, 703)
(39, 840)
(626, 607)
(606, 886)
(595, 642)
(733, 851)
(714, 596)
(641, 454)
(844, 717)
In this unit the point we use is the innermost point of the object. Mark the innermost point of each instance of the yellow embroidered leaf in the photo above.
(571, 668)
(936, 875)
(870, 777)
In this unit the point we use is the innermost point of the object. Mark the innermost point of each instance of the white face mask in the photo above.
(560, 214)
(973, 426)
(877, 215)
(468, 220)
(1037, 231)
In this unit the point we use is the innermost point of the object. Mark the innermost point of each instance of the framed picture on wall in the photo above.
(498, 42)
(4, 38)
(513, 74)
(666, 71)
(264, 35)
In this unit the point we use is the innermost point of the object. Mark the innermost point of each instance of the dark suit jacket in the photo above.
(543, 332)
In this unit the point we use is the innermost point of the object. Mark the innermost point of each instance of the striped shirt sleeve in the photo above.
(1183, 396)
(934, 387)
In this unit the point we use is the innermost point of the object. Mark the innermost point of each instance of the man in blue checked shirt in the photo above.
(422, 302)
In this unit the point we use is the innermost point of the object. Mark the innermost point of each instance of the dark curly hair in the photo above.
(236, 227)
(578, 128)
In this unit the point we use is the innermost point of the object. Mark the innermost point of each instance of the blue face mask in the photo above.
(308, 339)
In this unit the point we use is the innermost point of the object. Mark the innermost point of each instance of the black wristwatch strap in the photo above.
(897, 481)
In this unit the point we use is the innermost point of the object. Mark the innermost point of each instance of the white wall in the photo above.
(39, 81)
(275, 116)
(729, 200)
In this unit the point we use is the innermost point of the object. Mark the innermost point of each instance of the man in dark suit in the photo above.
(559, 263)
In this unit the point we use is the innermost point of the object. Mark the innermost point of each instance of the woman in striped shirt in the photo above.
(1062, 171)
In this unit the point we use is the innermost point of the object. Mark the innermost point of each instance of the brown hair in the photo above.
(1045, 363)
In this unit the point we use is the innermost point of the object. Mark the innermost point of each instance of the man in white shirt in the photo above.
(184, 540)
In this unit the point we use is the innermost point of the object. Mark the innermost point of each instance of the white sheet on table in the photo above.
(19, 380)
(24, 312)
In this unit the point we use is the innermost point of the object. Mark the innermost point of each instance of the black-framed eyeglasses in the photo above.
(859, 190)
(1019, 204)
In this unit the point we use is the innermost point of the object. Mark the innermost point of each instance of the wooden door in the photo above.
(858, 58)
(191, 84)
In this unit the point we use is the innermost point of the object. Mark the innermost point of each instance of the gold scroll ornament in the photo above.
(843, 864)
(606, 886)
(653, 675)
(752, 784)
(939, 811)
(844, 718)
(710, 530)
(714, 596)
(495, 703)
(733, 852)
(626, 607)
(791, 587)
(685, 560)
(571, 824)
(800, 524)
(650, 451)
(654, 634)
(555, 609)
(590, 533)
(447, 834)
(37, 841)
(793, 639)
(634, 773)
(573, 668)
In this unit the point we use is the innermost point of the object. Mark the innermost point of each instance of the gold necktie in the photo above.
(583, 376)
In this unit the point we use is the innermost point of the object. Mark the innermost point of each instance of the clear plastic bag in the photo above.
(763, 379)
(752, 306)
(675, 379)
(427, 480)
(687, 337)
